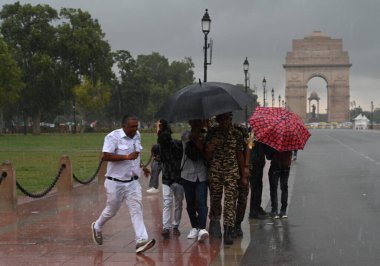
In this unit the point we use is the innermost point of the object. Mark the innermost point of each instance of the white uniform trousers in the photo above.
(173, 193)
(130, 192)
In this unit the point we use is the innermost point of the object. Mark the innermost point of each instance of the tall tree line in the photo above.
(61, 60)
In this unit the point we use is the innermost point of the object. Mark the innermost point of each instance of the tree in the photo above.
(181, 73)
(82, 51)
(156, 79)
(90, 97)
(122, 101)
(29, 31)
(355, 112)
(10, 80)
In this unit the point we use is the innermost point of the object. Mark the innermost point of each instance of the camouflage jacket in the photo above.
(227, 146)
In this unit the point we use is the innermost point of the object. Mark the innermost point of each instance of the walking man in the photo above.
(121, 150)
(225, 152)
(256, 181)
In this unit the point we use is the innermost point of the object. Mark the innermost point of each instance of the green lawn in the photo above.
(36, 158)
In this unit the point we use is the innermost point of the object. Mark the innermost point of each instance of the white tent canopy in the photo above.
(361, 122)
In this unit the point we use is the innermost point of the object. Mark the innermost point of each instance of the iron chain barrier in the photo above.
(50, 187)
(41, 194)
(91, 178)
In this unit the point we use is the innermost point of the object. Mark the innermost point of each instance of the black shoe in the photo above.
(176, 232)
(165, 233)
(228, 240)
(215, 229)
(262, 212)
(274, 215)
(283, 215)
(238, 231)
(258, 216)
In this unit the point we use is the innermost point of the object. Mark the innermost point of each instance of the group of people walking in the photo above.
(219, 158)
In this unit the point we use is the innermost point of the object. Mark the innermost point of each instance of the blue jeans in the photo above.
(196, 200)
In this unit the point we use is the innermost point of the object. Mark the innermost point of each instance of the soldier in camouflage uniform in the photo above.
(224, 151)
(243, 190)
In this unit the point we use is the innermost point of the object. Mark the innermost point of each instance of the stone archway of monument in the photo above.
(316, 89)
(318, 55)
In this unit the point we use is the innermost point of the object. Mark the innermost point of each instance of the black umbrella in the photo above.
(201, 101)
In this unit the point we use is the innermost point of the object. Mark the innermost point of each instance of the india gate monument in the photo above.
(321, 56)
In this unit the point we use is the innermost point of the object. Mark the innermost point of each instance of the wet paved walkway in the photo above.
(55, 230)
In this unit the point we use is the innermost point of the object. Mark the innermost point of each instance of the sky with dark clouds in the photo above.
(261, 30)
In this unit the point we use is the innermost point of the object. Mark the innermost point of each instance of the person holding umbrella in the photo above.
(279, 172)
(283, 132)
(225, 153)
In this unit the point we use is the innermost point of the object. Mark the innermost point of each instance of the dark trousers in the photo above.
(256, 184)
(155, 173)
(241, 203)
(276, 175)
(196, 200)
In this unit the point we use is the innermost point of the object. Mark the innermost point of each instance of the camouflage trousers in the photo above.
(241, 203)
(217, 183)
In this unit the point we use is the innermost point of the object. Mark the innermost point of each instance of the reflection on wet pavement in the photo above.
(56, 230)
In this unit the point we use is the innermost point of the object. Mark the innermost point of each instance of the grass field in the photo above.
(36, 158)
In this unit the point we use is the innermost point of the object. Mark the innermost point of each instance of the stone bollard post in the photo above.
(65, 181)
(8, 191)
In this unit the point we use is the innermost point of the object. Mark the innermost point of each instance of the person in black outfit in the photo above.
(279, 173)
(256, 181)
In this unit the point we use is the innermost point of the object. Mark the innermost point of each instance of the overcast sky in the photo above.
(261, 30)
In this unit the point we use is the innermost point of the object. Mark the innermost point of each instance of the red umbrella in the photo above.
(279, 128)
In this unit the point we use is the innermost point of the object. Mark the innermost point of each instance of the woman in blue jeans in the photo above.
(194, 180)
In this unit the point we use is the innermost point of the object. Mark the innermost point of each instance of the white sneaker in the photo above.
(193, 233)
(152, 190)
(202, 235)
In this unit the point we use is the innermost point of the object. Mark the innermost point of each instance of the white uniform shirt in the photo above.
(118, 142)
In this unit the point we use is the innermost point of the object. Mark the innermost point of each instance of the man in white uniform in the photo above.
(121, 150)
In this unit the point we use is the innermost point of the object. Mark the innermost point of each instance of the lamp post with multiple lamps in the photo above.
(279, 100)
(246, 68)
(264, 90)
(206, 25)
(272, 97)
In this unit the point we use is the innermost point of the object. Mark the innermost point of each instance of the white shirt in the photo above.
(118, 142)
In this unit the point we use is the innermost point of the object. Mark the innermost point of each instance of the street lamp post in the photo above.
(75, 121)
(246, 68)
(283, 103)
(206, 25)
(272, 97)
(264, 90)
(279, 100)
